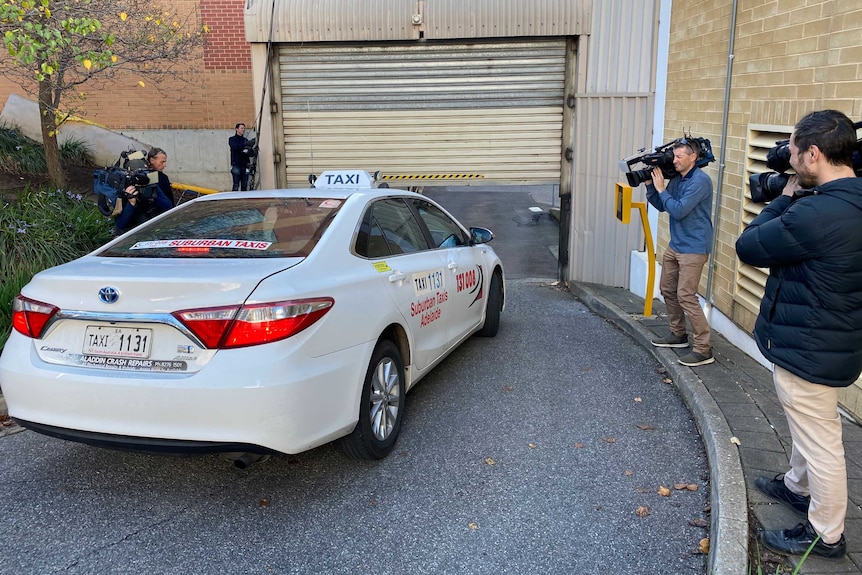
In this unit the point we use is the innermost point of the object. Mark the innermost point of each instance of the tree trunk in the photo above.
(47, 121)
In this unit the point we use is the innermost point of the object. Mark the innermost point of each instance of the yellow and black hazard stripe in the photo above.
(429, 176)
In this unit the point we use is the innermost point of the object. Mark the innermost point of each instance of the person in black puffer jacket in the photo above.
(810, 322)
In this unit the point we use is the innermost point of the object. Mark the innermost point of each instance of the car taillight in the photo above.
(242, 326)
(30, 316)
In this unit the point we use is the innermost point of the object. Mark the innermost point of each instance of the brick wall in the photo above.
(790, 57)
(216, 94)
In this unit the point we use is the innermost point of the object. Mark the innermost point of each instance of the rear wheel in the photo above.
(381, 407)
(493, 307)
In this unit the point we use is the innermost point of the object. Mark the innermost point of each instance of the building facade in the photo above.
(741, 74)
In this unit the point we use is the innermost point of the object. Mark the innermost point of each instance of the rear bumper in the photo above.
(258, 400)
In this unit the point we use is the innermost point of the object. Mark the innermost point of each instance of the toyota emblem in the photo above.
(109, 294)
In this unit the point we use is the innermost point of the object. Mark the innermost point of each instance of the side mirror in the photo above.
(480, 235)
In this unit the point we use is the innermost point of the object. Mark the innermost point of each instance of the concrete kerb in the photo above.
(728, 552)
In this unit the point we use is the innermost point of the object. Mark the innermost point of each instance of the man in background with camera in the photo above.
(810, 323)
(687, 199)
(144, 202)
(157, 159)
(239, 158)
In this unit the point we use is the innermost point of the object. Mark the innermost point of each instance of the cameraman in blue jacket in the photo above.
(810, 323)
(687, 199)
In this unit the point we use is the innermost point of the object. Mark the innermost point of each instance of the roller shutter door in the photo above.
(490, 112)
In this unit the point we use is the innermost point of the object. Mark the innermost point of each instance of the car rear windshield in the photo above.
(235, 228)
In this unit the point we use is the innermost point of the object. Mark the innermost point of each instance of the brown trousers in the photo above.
(680, 276)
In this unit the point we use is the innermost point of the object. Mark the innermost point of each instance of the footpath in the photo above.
(745, 434)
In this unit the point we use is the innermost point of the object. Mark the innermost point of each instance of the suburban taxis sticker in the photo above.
(430, 288)
(202, 243)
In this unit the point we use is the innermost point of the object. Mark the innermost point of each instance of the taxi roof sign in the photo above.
(344, 179)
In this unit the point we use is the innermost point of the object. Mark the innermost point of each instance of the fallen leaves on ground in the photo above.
(263, 503)
(531, 445)
(645, 426)
(642, 511)
(610, 439)
(682, 486)
(699, 522)
(638, 400)
(490, 461)
(735, 440)
(473, 525)
(507, 388)
(578, 445)
(663, 491)
(703, 546)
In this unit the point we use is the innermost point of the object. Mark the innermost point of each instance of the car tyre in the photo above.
(381, 407)
(493, 307)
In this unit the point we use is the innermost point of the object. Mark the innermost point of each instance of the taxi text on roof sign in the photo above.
(344, 179)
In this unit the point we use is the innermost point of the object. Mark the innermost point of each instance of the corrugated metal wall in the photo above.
(383, 20)
(613, 119)
(491, 110)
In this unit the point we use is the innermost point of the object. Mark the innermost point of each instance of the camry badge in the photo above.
(109, 294)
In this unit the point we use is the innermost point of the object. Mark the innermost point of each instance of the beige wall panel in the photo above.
(385, 20)
(607, 129)
(613, 119)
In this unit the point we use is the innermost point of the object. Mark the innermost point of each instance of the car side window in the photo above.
(390, 229)
(444, 231)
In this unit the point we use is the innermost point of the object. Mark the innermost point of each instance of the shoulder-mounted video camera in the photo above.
(250, 148)
(767, 186)
(131, 169)
(662, 158)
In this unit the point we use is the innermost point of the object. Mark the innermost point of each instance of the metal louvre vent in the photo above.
(750, 280)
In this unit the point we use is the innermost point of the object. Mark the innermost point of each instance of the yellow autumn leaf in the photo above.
(735, 440)
(141, 83)
(87, 63)
(663, 491)
(123, 16)
(114, 59)
(206, 28)
(703, 546)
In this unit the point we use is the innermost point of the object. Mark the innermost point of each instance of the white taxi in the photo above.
(253, 322)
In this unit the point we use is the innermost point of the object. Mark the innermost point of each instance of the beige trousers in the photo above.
(817, 465)
(680, 276)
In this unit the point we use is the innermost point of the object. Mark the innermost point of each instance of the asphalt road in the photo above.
(527, 453)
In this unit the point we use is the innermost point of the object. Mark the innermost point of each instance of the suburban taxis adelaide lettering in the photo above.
(430, 289)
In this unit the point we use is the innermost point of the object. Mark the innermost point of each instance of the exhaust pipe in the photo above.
(244, 460)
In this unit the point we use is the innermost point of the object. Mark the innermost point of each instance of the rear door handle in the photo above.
(453, 266)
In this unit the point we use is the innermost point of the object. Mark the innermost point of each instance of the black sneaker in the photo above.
(776, 489)
(796, 541)
(671, 341)
(694, 358)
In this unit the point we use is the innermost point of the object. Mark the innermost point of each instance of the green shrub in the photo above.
(39, 230)
(21, 155)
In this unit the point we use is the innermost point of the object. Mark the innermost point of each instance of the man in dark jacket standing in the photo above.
(238, 158)
(810, 323)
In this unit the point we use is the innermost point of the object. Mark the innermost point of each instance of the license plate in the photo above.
(113, 341)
